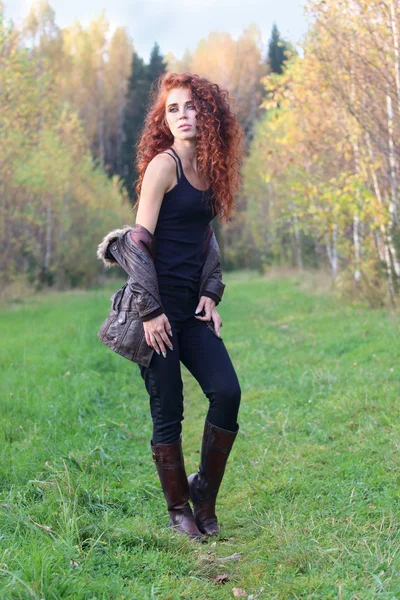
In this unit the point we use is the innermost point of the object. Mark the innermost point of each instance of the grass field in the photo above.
(309, 506)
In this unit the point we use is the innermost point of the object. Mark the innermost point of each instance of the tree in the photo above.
(117, 68)
(133, 120)
(140, 81)
(55, 204)
(157, 65)
(44, 36)
(276, 50)
(323, 172)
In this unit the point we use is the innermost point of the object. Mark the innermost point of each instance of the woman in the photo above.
(188, 162)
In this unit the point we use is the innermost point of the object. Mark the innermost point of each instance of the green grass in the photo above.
(310, 499)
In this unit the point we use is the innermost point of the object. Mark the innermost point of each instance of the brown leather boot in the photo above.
(204, 485)
(171, 471)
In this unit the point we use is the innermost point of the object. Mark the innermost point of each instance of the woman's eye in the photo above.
(188, 106)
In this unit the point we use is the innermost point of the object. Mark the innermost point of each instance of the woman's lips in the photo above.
(184, 127)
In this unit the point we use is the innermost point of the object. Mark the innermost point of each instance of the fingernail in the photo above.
(171, 347)
(170, 333)
(158, 352)
(196, 311)
(219, 335)
(164, 354)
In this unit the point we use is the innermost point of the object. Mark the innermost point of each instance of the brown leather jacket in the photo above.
(133, 248)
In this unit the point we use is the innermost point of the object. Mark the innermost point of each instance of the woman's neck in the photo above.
(187, 152)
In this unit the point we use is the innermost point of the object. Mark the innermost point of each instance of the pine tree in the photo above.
(156, 65)
(276, 50)
(140, 81)
(134, 115)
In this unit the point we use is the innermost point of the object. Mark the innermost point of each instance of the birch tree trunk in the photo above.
(299, 257)
(356, 150)
(120, 136)
(356, 242)
(331, 251)
(396, 50)
(387, 249)
(47, 255)
(100, 123)
(392, 159)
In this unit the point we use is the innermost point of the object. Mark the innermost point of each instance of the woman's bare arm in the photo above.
(159, 177)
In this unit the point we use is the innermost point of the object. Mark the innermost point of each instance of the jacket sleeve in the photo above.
(148, 304)
(214, 286)
(213, 296)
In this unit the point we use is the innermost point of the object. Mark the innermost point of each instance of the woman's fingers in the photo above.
(200, 305)
(217, 323)
(153, 343)
(167, 326)
(157, 333)
(207, 311)
(160, 342)
(164, 337)
(208, 305)
(211, 315)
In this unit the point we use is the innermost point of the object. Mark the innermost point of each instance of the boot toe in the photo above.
(209, 528)
(185, 523)
(191, 532)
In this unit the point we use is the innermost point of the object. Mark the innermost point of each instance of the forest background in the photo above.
(320, 185)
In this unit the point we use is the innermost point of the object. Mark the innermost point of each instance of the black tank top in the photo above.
(184, 216)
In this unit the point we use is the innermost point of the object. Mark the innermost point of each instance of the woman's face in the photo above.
(180, 113)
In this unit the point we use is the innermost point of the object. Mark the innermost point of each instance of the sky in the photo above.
(177, 25)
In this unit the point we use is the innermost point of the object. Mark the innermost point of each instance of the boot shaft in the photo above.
(216, 446)
(204, 485)
(171, 472)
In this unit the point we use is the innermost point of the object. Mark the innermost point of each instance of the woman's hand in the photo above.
(210, 313)
(157, 331)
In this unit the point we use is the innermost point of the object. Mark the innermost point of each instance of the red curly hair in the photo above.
(219, 139)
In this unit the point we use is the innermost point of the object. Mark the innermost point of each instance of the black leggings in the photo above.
(207, 359)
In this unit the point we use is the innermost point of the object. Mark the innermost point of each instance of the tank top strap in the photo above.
(179, 159)
(176, 164)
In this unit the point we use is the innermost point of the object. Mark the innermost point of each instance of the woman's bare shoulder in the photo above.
(162, 169)
(162, 161)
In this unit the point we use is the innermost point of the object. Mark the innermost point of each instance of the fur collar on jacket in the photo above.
(102, 254)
